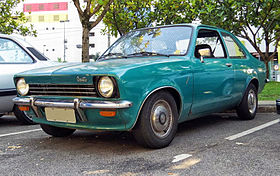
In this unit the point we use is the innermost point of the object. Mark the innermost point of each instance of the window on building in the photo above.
(56, 18)
(92, 45)
(56, 6)
(53, 49)
(41, 7)
(28, 7)
(53, 28)
(41, 18)
(28, 18)
(91, 34)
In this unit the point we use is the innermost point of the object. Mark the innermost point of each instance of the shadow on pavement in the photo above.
(86, 142)
(9, 121)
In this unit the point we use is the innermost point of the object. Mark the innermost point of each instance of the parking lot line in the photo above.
(20, 132)
(252, 130)
(180, 157)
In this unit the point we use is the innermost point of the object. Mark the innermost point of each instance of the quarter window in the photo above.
(234, 50)
(10, 52)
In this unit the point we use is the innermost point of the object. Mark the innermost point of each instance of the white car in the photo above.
(16, 56)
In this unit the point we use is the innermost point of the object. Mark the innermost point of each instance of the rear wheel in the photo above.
(248, 107)
(158, 121)
(22, 116)
(57, 131)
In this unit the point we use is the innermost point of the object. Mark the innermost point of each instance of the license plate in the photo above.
(60, 115)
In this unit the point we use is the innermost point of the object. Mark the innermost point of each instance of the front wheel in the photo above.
(248, 107)
(158, 121)
(57, 131)
(22, 116)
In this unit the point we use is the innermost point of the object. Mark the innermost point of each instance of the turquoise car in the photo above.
(147, 82)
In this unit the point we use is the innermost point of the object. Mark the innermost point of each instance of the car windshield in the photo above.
(161, 41)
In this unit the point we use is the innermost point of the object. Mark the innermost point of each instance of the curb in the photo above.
(267, 109)
(267, 106)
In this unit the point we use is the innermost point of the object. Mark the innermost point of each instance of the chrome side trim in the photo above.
(159, 88)
(80, 104)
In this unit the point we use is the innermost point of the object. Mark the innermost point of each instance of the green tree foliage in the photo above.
(174, 11)
(90, 13)
(125, 15)
(12, 21)
(254, 20)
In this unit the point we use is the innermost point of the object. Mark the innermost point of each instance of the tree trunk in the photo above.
(85, 48)
(267, 68)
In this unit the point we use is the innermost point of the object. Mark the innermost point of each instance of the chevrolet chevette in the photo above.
(147, 82)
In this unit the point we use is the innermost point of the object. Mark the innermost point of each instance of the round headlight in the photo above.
(22, 87)
(105, 87)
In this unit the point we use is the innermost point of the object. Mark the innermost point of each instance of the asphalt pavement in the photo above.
(219, 144)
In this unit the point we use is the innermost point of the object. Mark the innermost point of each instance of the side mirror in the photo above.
(204, 52)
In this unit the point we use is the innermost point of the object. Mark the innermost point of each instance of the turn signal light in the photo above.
(107, 113)
(23, 108)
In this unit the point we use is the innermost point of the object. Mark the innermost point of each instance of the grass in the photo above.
(270, 92)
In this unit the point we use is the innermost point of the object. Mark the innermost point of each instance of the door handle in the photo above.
(228, 64)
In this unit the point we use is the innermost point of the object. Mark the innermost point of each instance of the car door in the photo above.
(213, 76)
(240, 65)
(13, 59)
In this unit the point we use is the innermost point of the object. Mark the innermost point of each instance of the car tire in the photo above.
(158, 121)
(57, 131)
(1, 115)
(22, 116)
(247, 109)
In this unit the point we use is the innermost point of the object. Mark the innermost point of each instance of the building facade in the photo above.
(58, 28)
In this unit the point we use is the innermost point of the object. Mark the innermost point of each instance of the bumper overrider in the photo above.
(76, 104)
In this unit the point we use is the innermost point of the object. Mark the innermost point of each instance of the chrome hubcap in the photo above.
(161, 118)
(252, 101)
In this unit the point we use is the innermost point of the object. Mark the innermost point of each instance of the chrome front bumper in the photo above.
(76, 104)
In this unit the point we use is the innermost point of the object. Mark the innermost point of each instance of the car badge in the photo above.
(82, 79)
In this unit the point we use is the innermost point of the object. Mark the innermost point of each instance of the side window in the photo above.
(10, 52)
(210, 39)
(234, 50)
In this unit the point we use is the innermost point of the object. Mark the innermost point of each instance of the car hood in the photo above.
(113, 66)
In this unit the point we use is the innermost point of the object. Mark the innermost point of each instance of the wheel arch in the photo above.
(173, 91)
(255, 82)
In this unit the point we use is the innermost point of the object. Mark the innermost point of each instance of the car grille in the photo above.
(62, 90)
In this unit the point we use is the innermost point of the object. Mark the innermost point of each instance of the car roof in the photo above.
(185, 24)
(19, 40)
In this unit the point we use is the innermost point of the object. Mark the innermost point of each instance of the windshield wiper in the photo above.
(147, 53)
(111, 54)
